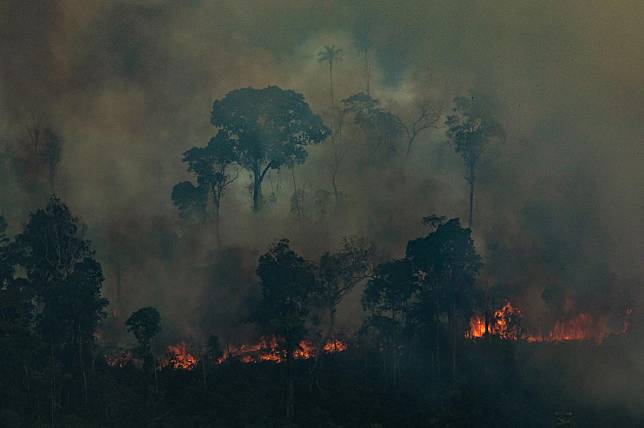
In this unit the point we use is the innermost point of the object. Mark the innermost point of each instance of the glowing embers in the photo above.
(507, 323)
(504, 323)
(120, 359)
(269, 351)
(178, 357)
(334, 346)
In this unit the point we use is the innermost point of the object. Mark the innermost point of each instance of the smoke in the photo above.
(128, 85)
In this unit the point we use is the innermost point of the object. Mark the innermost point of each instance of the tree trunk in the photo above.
(367, 69)
(437, 340)
(81, 363)
(290, 389)
(156, 382)
(471, 181)
(217, 224)
(52, 388)
(203, 370)
(331, 86)
(257, 192)
(451, 315)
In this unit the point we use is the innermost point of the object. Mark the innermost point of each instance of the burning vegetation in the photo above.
(265, 350)
(507, 323)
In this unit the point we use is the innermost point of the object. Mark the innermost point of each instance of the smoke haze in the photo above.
(128, 86)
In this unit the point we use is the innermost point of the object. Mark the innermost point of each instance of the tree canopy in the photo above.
(267, 129)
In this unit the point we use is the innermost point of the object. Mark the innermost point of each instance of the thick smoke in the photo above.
(128, 87)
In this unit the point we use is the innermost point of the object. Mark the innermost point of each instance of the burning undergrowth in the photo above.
(182, 356)
(509, 323)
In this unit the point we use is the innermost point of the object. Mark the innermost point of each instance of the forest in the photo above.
(321, 214)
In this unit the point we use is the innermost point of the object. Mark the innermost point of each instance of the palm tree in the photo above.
(330, 54)
(362, 44)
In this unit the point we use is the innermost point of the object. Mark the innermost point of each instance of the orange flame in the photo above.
(178, 357)
(505, 324)
(269, 351)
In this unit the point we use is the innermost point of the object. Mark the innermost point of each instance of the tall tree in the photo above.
(144, 324)
(387, 298)
(66, 279)
(470, 127)
(267, 129)
(376, 122)
(426, 117)
(363, 44)
(447, 263)
(211, 166)
(287, 282)
(330, 55)
(338, 273)
(42, 151)
(21, 359)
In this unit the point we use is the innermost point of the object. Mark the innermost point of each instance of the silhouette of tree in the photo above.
(66, 280)
(144, 324)
(447, 265)
(267, 129)
(387, 298)
(427, 117)
(338, 273)
(287, 282)
(330, 54)
(470, 128)
(211, 166)
(363, 45)
(191, 200)
(211, 353)
(376, 122)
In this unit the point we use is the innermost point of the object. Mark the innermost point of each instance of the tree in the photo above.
(447, 265)
(338, 273)
(191, 200)
(267, 129)
(66, 280)
(287, 282)
(470, 128)
(377, 122)
(330, 54)
(43, 149)
(211, 352)
(144, 324)
(427, 117)
(21, 349)
(387, 297)
(363, 44)
(211, 166)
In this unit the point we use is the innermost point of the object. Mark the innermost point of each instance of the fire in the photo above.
(266, 350)
(505, 323)
(334, 346)
(178, 357)
(269, 351)
(304, 351)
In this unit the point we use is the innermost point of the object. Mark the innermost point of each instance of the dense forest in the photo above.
(321, 214)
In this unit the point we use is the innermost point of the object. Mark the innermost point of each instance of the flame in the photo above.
(269, 351)
(178, 357)
(304, 351)
(505, 324)
(334, 346)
